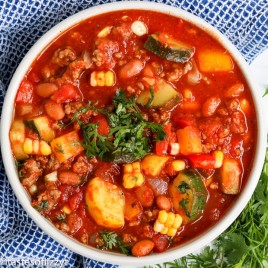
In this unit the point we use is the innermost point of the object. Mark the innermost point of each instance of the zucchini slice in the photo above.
(169, 49)
(189, 195)
(41, 125)
(163, 92)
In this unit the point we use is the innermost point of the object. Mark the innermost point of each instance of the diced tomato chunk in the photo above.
(65, 93)
(183, 120)
(205, 161)
(161, 147)
(33, 77)
(145, 195)
(25, 92)
(66, 192)
(104, 127)
(75, 200)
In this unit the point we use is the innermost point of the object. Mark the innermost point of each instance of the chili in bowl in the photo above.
(133, 130)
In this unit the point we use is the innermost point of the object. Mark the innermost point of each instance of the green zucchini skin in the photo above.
(176, 54)
(162, 95)
(189, 194)
(41, 126)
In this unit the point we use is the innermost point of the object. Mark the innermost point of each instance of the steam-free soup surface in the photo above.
(134, 132)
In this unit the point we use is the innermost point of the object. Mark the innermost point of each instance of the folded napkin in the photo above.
(244, 22)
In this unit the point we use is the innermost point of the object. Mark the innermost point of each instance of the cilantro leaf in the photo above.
(183, 187)
(111, 240)
(235, 247)
(43, 205)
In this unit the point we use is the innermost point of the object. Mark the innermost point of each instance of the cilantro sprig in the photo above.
(127, 140)
(111, 240)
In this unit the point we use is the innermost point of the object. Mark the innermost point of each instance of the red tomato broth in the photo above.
(82, 37)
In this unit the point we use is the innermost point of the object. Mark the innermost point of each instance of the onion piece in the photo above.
(159, 186)
(139, 28)
(193, 76)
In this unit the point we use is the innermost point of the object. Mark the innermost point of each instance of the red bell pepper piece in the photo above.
(161, 147)
(206, 161)
(25, 93)
(103, 125)
(65, 93)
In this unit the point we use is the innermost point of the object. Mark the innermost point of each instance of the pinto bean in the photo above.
(161, 242)
(69, 178)
(163, 203)
(54, 110)
(131, 69)
(210, 106)
(142, 248)
(234, 91)
(45, 90)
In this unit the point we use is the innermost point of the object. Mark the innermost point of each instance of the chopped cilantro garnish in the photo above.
(111, 240)
(127, 140)
(183, 187)
(43, 205)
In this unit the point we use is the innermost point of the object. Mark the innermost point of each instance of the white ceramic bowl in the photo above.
(114, 258)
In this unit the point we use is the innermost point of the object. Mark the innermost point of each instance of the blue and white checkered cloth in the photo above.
(22, 23)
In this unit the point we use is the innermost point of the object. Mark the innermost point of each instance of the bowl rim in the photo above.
(110, 257)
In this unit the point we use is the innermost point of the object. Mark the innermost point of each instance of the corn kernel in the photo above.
(177, 221)
(170, 219)
(164, 230)
(33, 189)
(218, 158)
(171, 231)
(105, 32)
(129, 181)
(162, 216)
(132, 175)
(167, 223)
(93, 79)
(109, 78)
(136, 167)
(66, 209)
(127, 168)
(178, 165)
(100, 79)
(187, 94)
(45, 149)
(158, 227)
(35, 146)
(28, 146)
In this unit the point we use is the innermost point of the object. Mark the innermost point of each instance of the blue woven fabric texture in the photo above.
(22, 22)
